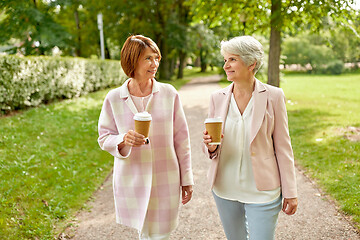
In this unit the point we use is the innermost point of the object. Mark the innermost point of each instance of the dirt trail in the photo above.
(317, 218)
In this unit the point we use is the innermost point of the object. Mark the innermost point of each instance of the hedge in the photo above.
(31, 81)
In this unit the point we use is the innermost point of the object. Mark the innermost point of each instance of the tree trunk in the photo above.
(275, 42)
(77, 21)
(107, 50)
(202, 60)
(182, 57)
(172, 66)
(164, 69)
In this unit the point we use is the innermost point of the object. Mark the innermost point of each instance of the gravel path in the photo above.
(317, 217)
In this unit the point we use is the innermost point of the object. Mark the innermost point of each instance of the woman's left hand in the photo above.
(290, 205)
(186, 194)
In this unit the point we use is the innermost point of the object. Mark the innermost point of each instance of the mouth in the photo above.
(152, 71)
(229, 72)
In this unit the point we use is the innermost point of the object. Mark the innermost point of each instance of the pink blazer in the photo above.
(270, 145)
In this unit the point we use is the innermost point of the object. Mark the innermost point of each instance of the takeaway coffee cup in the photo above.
(142, 123)
(213, 127)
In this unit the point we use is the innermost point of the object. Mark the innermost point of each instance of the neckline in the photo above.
(247, 108)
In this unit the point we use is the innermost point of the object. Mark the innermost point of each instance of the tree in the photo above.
(79, 18)
(286, 16)
(165, 21)
(205, 45)
(31, 25)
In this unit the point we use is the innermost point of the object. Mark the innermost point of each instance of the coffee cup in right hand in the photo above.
(214, 127)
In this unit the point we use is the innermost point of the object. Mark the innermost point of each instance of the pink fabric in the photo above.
(147, 182)
(270, 145)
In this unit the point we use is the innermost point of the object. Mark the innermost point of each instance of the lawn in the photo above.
(51, 164)
(322, 110)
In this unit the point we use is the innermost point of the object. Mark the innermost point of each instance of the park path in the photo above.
(317, 217)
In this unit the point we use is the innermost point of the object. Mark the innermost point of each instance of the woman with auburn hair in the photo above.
(252, 173)
(150, 173)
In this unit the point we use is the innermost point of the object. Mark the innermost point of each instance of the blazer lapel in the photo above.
(224, 101)
(260, 100)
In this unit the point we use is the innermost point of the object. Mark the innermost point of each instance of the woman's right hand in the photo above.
(134, 139)
(207, 140)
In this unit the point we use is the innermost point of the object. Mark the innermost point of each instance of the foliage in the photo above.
(35, 27)
(335, 67)
(206, 45)
(303, 51)
(32, 24)
(248, 17)
(79, 18)
(30, 81)
(324, 51)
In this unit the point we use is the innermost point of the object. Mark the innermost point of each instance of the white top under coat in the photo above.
(235, 180)
(140, 104)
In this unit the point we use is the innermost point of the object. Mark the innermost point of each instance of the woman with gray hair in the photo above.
(252, 173)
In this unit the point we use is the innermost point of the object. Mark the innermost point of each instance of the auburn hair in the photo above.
(132, 50)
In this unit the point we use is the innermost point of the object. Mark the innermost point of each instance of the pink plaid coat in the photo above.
(147, 182)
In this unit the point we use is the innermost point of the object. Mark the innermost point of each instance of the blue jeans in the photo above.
(242, 221)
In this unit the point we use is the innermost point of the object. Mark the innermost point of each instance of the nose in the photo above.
(225, 65)
(155, 63)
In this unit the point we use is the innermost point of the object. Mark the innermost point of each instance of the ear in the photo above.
(252, 66)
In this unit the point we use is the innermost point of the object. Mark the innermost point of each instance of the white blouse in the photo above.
(141, 102)
(235, 180)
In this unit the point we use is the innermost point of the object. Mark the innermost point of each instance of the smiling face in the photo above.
(235, 68)
(147, 65)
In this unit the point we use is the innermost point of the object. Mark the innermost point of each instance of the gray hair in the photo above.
(248, 48)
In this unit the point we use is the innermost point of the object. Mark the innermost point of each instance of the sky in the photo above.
(357, 4)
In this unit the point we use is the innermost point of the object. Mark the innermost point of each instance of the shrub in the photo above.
(30, 81)
(335, 67)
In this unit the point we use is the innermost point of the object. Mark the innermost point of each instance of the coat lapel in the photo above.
(124, 93)
(260, 100)
(224, 102)
(155, 89)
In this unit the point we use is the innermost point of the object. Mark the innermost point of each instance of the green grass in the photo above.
(51, 164)
(319, 108)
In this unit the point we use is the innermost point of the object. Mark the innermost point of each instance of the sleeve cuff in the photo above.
(187, 179)
(125, 151)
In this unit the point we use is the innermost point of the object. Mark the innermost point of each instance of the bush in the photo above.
(335, 67)
(30, 81)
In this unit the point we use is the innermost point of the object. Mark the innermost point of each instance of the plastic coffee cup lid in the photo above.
(142, 116)
(213, 120)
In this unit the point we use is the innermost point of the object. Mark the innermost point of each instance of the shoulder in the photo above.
(166, 89)
(119, 92)
(222, 91)
(273, 91)
(113, 94)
